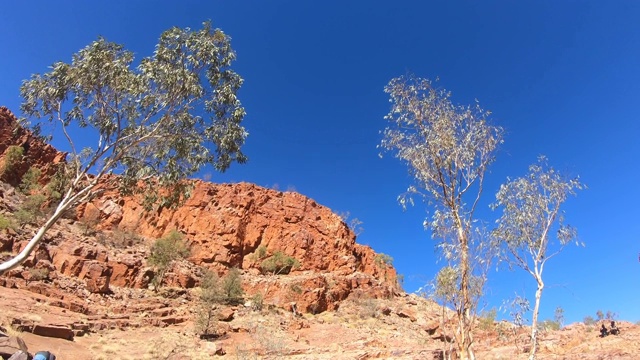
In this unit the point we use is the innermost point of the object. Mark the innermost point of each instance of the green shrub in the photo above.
(12, 156)
(206, 312)
(279, 263)
(232, 287)
(31, 210)
(549, 325)
(29, 180)
(211, 291)
(167, 249)
(215, 291)
(5, 223)
(164, 251)
(227, 290)
(487, 319)
(58, 184)
(261, 252)
(38, 274)
(383, 260)
(206, 320)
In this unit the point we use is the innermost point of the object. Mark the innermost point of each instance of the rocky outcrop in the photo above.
(35, 152)
(226, 223)
(225, 226)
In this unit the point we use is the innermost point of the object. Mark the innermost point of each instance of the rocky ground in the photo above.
(137, 324)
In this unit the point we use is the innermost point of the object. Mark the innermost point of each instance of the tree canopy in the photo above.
(447, 149)
(154, 124)
(531, 212)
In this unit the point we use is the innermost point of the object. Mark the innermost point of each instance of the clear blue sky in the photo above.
(562, 77)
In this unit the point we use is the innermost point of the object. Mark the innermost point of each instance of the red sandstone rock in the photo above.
(224, 225)
(226, 314)
(36, 153)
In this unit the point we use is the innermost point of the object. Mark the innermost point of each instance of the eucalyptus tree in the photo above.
(447, 149)
(153, 124)
(531, 213)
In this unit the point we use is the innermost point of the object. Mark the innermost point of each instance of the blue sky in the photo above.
(562, 78)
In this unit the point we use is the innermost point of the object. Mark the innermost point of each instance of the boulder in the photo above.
(10, 345)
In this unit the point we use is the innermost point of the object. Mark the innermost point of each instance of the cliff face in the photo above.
(35, 152)
(224, 225)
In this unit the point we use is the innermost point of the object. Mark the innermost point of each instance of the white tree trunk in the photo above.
(465, 349)
(22, 256)
(534, 321)
(71, 197)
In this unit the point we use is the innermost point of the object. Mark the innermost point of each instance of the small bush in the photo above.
(383, 260)
(31, 210)
(167, 249)
(588, 320)
(38, 274)
(215, 291)
(29, 180)
(5, 223)
(368, 308)
(232, 287)
(487, 319)
(120, 239)
(58, 184)
(227, 290)
(164, 251)
(211, 292)
(279, 263)
(12, 156)
(257, 302)
(261, 252)
(206, 320)
(549, 325)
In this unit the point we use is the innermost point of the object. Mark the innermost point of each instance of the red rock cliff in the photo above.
(224, 225)
(35, 152)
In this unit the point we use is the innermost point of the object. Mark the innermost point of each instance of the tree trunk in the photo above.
(31, 245)
(464, 312)
(69, 200)
(534, 321)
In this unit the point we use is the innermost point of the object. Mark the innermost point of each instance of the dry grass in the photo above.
(150, 346)
(12, 331)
